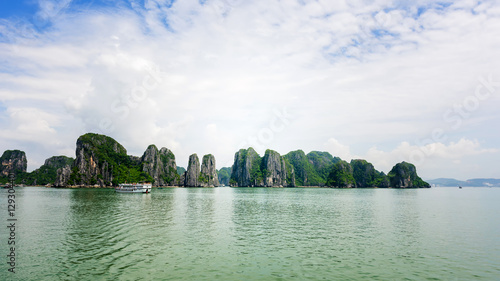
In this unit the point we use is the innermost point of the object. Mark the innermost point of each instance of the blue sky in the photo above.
(11, 8)
(387, 81)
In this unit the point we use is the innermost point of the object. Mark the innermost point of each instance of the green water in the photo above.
(254, 234)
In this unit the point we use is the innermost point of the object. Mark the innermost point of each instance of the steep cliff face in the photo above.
(273, 170)
(290, 173)
(57, 162)
(311, 169)
(62, 178)
(302, 167)
(208, 174)
(13, 161)
(341, 176)
(160, 165)
(93, 156)
(191, 177)
(276, 170)
(152, 165)
(404, 175)
(365, 175)
(47, 173)
(183, 179)
(102, 161)
(171, 177)
(246, 169)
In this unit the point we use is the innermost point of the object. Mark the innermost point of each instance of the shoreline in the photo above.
(166, 187)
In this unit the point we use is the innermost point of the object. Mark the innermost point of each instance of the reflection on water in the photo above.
(256, 234)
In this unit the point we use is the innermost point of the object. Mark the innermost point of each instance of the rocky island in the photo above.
(103, 162)
(272, 170)
(13, 161)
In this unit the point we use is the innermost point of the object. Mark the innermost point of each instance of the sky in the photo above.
(386, 81)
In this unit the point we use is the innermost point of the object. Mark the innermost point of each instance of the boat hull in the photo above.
(132, 191)
(133, 188)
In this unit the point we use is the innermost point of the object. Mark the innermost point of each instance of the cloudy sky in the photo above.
(387, 81)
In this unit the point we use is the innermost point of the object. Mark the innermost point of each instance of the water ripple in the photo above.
(258, 234)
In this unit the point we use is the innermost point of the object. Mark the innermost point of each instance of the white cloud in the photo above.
(428, 158)
(431, 158)
(371, 73)
(31, 121)
(340, 150)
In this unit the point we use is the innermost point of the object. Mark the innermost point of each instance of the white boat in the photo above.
(133, 188)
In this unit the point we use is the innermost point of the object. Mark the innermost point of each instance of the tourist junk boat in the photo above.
(133, 188)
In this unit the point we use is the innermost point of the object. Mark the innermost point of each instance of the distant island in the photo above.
(103, 162)
(446, 182)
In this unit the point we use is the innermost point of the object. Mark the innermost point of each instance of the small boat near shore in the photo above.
(134, 188)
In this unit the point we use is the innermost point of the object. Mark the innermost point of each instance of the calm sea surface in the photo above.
(254, 234)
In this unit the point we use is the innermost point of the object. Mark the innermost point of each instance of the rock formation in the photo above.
(208, 174)
(192, 174)
(273, 170)
(322, 163)
(101, 161)
(171, 177)
(47, 173)
(311, 169)
(276, 170)
(160, 165)
(365, 174)
(13, 161)
(96, 158)
(152, 165)
(301, 165)
(57, 162)
(180, 171)
(360, 173)
(246, 169)
(341, 176)
(224, 175)
(63, 175)
(183, 179)
(404, 175)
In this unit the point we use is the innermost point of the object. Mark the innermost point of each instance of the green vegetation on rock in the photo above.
(341, 175)
(365, 174)
(102, 161)
(47, 173)
(224, 175)
(180, 170)
(256, 178)
(322, 163)
(251, 170)
(404, 175)
(169, 175)
(305, 175)
(311, 169)
(13, 162)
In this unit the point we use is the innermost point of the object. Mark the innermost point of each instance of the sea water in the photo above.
(252, 234)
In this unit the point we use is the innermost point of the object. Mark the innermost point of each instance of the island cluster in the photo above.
(103, 162)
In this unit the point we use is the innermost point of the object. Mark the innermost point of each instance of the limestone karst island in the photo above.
(103, 162)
